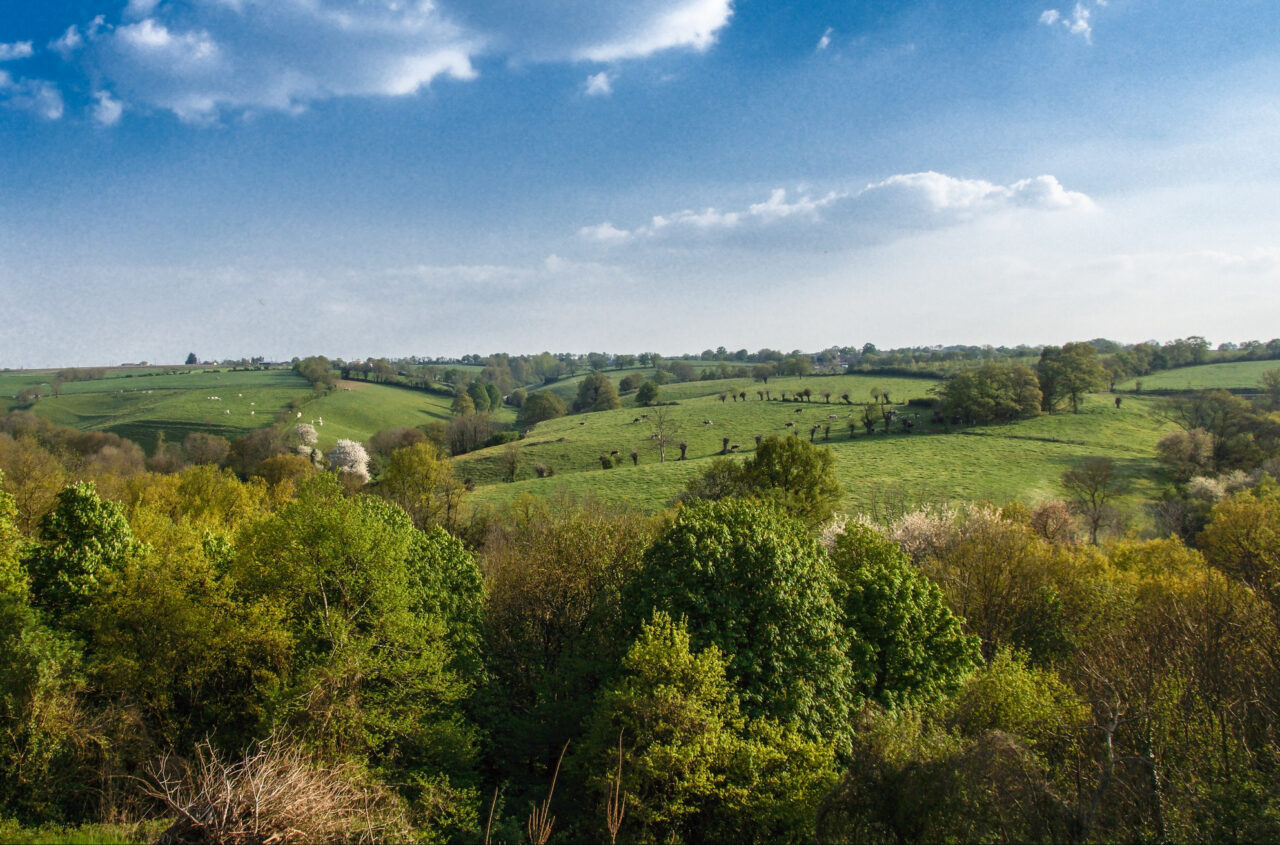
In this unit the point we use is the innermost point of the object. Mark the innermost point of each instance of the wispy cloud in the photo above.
(825, 41)
(599, 84)
(905, 202)
(1078, 22)
(38, 96)
(16, 50)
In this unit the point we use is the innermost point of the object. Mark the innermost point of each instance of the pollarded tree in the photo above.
(749, 580)
(917, 648)
(596, 393)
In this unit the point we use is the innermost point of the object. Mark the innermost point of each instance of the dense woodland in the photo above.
(250, 641)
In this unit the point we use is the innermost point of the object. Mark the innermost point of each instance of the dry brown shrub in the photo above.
(273, 792)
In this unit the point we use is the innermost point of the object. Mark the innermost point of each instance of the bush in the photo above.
(273, 792)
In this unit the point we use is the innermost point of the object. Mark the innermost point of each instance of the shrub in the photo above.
(273, 792)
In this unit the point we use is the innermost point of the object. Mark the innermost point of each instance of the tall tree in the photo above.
(596, 393)
(1069, 372)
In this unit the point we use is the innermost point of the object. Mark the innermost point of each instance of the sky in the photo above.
(363, 178)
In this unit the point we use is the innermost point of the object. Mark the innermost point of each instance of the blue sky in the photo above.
(396, 177)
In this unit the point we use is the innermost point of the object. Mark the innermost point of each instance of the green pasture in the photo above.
(1019, 461)
(358, 410)
(857, 386)
(140, 406)
(1241, 375)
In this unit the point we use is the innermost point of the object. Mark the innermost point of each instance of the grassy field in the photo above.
(140, 404)
(356, 410)
(1022, 461)
(857, 386)
(1019, 461)
(1242, 375)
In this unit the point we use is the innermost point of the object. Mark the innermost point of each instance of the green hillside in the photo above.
(1022, 460)
(140, 404)
(1241, 375)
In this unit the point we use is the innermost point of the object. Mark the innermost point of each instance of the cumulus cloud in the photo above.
(16, 50)
(904, 202)
(34, 95)
(599, 85)
(204, 57)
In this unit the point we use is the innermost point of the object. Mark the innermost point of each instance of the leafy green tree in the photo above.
(555, 574)
(793, 473)
(749, 580)
(479, 396)
(318, 370)
(420, 479)
(1241, 436)
(917, 648)
(82, 541)
(1068, 373)
(992, 393)
(371, 673)
(540, 406)
(647, 394)
(910, 779)
(596, 393)
(463, 404)
(694, 768)
(1243, 539)
(1032, 703)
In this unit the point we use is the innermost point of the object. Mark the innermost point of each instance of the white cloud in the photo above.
(34, 95)
(72, 39)
(140, 8)
(1079, 22)
(201, 59)
(605, 233)
(220, 55)
(599, 85)
(692, 24)
(825, 41)
(590, 30)
(106, 109)
(905, 202)
(16, 50)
